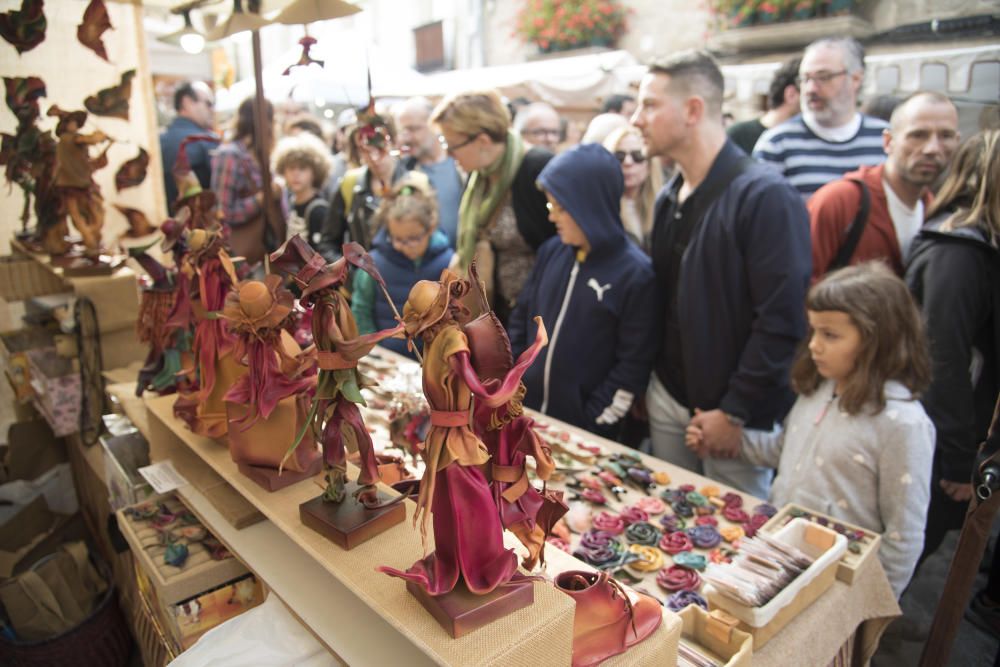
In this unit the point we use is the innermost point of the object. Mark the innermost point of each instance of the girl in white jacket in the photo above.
(857, 445)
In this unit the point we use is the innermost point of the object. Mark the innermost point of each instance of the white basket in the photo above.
(823, 544)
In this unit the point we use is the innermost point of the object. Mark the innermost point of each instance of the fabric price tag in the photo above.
(163, 477)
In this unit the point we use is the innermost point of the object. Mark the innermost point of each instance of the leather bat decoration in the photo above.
(112, 101)
(305, 59)
(24, 28)
(95, 22)
(22, 95)
(138, 224)
(133, 172)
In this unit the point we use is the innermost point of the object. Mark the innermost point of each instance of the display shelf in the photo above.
(541, 631)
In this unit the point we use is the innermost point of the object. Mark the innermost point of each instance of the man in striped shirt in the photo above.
(830, 137)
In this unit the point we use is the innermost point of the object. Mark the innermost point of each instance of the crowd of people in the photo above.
(805, 306)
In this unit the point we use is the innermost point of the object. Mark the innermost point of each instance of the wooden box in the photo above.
(173, 584)
(764, 622)
(716, 634)
(850, 562)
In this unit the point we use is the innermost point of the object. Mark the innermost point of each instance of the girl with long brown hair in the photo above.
(857, 445)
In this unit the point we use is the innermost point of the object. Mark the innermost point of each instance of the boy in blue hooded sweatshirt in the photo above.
(407, 248)
(596, 291)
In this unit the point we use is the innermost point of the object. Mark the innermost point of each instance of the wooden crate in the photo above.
(717, 634)
(851, 562)
(173, 584)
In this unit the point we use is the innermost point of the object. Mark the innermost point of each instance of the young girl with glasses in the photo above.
(407, 248)
(857, 445)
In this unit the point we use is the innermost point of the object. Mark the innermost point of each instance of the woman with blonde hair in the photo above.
(643, 179)
(502, 219)
(954, 272)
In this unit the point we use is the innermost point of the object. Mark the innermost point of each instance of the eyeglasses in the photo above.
(637, 156)
(409, 241)
(554, 207)
(820, 78)
(541, 132)
(451, 149)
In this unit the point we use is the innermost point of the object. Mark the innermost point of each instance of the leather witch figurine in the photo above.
(509, 435)
(267, 406)
(210, 276)
(468, 532)
(334, 416)
(609, 618)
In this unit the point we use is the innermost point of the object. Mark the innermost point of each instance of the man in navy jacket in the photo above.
(732, 257)
(194, 104)
(596, 294)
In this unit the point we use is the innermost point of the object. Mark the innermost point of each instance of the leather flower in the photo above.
(706, 521)
(633, 514)
(651, 506)
(672, 522)
(735, 514)
(609, 523)
(642, 532)
(676, 542)
(704, 537)
(650, 558)
(733, 499)
(677, 578)
(690, 560)
(681, 599)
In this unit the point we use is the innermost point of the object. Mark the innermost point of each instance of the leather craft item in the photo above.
(609, 618)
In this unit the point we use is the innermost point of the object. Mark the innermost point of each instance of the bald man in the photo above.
(538, 124)
(422, 150)
(921, 138)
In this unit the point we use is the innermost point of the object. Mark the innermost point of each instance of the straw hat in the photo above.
(428, 301)
(256, 306)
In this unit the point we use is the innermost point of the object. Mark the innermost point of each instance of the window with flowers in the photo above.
(558, 25)
(743, 13)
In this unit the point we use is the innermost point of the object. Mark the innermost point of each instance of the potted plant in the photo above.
(558, 25)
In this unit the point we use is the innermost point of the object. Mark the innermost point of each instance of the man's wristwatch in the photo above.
(734, 420)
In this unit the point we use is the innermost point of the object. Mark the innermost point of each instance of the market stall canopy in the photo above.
(573, 82)
(310, 11)
(341, 82)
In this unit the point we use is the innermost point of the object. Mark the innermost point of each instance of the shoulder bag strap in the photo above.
(846, 251)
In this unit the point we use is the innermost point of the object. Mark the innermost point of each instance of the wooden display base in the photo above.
(349, 523)
(74, 265)
(272, 481)
(461, 611)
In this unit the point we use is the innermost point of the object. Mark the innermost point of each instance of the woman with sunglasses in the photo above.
(502, 219)
(643, 179)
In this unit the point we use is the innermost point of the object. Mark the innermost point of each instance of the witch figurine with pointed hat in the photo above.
(454, 492)
(210, 275)
(334, 416)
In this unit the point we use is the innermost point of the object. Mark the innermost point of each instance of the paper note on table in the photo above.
(163, 477)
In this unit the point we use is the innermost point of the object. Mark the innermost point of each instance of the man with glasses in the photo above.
(539, 125)
(421, 149)
(194, 104)
(830, 137)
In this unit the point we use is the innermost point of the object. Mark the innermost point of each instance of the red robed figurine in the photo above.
(334, 415)
(468, 533)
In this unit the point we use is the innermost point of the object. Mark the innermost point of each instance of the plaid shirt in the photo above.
(236, 179)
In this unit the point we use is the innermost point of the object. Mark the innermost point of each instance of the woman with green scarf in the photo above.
(502, 218)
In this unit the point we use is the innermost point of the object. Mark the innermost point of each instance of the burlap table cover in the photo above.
(537, 635)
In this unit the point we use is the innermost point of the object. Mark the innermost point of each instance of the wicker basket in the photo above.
(24, 278)
(101, 640)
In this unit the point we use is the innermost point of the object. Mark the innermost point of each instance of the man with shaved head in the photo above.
(919, 142)
(421, 149)
(730, 249)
